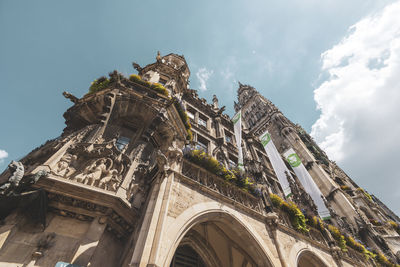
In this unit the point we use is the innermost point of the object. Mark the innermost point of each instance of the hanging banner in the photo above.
(308, 183)
(237, 126)
(278, 165)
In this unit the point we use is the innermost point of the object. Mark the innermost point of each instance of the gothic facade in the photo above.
(144, 174)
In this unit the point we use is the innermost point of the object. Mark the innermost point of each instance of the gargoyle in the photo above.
(137, 66)
(71, 97)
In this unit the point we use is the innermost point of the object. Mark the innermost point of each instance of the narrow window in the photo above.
(202, 143)
(232, 162)
(202, 121)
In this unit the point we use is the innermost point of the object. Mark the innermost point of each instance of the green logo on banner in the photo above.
(265, 139)
(294, 160)
(236, 118)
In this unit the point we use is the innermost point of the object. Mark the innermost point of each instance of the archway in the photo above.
(219, 238)
(307, 258)
(186, 256)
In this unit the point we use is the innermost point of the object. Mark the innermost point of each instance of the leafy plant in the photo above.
(345, 187)
(337, 235)
(154, 86)
(99, 84)
(395, 226)
(316, 223)
(184, 117)
(368, 196)
(382, 260)
(297, 218)
(201, 158)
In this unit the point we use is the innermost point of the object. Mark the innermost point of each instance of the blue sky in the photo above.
(276, 46)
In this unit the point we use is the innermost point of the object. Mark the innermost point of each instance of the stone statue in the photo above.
(92, 172)
(161, 161)
(17, 182)
(72, 166)
(17, 172)
(215, 102)
(110, 180)
(96, 170)
(62, 165)
(158, 57)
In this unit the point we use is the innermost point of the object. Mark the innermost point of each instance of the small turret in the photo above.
(171, 71)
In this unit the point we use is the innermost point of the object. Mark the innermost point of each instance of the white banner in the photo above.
(308, 183)
(237, 126)
(278, 165)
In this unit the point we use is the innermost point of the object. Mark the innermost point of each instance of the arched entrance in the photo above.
(217, 239)
(186, 256)
(309, 259)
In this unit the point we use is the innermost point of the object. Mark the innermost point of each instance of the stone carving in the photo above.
(99, 165)
(92, 173)
(71, 97)
(17, 182)
(158, 57)
(17, 172)
(137, 67)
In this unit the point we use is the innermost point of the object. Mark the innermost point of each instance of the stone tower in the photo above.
(145, 174)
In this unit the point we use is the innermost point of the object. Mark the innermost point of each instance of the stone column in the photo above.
(89, 242)
(146, 247)
(272, 226)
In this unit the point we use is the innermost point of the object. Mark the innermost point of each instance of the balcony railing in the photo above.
(220, 186)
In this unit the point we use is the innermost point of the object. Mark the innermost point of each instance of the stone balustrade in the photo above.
(219, 185)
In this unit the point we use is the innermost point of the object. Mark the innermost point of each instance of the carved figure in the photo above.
(17, 172)
(62, 165)
(17, 182)
(72, 166)
(158, 57)
(96, 170)
(92, 173)
(110, 180)
(162, 161)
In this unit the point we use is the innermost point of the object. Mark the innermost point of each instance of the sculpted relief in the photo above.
(99, 165)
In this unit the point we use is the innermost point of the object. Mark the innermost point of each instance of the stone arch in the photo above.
(307, 258)
(300, 249)
(200, 245)
(214, 211)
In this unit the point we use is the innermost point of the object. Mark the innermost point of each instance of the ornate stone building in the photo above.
(140, 177)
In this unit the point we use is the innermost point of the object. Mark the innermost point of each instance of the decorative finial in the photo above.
(158, 56)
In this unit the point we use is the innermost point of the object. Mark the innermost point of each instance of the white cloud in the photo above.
(359, 125)
(203, 75)
(3, 155)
